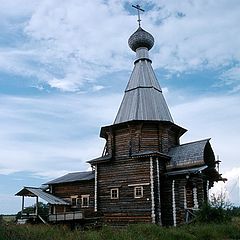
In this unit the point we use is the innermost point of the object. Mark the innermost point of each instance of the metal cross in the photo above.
(138, 9)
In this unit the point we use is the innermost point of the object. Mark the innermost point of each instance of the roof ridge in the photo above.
(206, 139)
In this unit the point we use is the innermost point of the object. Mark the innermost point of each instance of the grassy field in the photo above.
(132, 232)
(8, 218)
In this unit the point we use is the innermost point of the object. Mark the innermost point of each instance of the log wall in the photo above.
(121, 173)
(66, 190)
(139, 137)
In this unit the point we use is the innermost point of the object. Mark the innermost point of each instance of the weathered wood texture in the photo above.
(121, 173)
(140, 136)
(66, 190)
(123, 170)
(166, 201)
(181, 184)
(126, 169)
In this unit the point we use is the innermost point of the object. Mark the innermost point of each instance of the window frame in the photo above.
(117, 193)
(86, 196)
(74, 199)
(136, 193)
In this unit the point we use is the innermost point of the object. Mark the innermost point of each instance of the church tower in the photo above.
(144, 174)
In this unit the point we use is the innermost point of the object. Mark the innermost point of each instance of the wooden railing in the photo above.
(67, 216)
(190, 214)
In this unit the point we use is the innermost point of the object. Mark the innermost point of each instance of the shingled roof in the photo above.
(191, 154)
(73, 177)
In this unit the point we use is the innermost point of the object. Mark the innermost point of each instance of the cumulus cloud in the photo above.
(205, 33)
(68, 44)
(230, 188)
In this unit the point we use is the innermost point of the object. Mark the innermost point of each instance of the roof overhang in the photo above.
(188, 171)
(100, 159)
(179, 130)
(150, 154)
(38, 192)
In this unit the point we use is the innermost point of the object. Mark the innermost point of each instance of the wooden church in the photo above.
(144, 173)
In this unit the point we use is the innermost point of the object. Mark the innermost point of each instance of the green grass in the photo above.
(132, 232)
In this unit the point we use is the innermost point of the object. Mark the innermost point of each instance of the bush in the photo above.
(218, 210)
(210, 214)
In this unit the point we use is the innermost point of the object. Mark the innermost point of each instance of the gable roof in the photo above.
(191, 154)
(73, 177)
(33, 192)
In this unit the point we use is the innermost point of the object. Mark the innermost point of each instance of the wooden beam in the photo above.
(22, 204)
(36, 211)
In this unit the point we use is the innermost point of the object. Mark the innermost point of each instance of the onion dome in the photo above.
(140, 38)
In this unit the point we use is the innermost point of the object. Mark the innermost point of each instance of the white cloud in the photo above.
(218, 118)
(69, 43)
(232, 77)
(231, 188)
(17, 8)
(215, 117)
(52, 132)
(207, 35)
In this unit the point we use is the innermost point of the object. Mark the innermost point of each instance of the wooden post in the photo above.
(36, 211)
(184, 197)
(159, 196)
(95, 190)
(152, 190)
(195, 200)
(22, 204)
(207, 190)
(174, 204)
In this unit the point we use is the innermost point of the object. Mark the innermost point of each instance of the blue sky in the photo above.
(64, 66)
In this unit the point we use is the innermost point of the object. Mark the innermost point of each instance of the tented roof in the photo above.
(143, 98)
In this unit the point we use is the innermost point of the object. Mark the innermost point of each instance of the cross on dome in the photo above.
(138, 10)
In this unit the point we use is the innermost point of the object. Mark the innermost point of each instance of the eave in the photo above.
(150, 154)
(100, 159)
(179, 130)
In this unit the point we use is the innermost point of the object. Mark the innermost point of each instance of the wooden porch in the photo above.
(66, 216)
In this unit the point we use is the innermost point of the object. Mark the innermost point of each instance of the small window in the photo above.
(114, 193)
(85, 200)
(138, 192)
(74, 201)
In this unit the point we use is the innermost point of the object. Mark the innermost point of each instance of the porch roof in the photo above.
(187, 171)
(38, 192)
